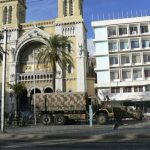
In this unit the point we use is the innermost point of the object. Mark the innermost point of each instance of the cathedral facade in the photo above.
(24, 40)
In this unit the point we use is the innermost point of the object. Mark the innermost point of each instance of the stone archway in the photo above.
(37, 90)
(28, 67)
(48, 90)
(27, 57)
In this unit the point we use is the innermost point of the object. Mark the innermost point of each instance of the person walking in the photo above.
(118, 115)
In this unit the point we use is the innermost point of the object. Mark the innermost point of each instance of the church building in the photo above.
(24, 40)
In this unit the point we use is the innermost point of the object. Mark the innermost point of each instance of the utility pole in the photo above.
(3, 82)
(35, 119)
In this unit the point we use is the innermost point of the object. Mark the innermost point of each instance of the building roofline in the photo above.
(120, 21)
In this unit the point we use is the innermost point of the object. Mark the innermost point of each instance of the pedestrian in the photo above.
(10, 118)
(118, 115)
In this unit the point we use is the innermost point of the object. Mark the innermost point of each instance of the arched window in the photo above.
(69, 68)
(37, 90)
(65, 8)
(81, 8)
(10, 15)
(71, 7)
(5, 12)
(25, 77)
(69, 48)
(7, 15)
(48, 90)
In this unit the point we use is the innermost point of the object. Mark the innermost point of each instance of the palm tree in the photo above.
(55, 52)
(18, 90)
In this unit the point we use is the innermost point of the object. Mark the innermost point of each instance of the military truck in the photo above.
(59, 108)
(127, 110)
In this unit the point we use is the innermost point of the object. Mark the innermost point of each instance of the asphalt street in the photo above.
(133, 135)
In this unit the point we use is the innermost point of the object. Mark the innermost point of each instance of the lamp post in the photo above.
(35, 119)
(3, 82)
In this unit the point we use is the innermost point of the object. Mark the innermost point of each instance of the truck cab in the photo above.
(106, 109)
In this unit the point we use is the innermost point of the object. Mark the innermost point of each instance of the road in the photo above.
(132, 135)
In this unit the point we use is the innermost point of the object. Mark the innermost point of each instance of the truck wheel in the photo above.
(46, 119)
(59, 119)
(101, 118)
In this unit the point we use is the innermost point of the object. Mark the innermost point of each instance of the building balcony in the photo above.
(29, 77)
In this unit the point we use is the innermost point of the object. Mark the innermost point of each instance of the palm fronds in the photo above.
(55, 52)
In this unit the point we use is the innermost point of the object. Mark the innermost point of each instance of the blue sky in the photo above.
(93, 10)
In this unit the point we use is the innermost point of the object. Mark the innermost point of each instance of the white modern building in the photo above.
(123, 58)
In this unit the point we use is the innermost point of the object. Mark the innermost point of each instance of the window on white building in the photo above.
(144, 28)
(136, 58)
(126, 74)
(145, 43)
(147, 73)
(138, 89)
(137, 74)
(114, 75)
(135, 44)
(113, 46)
(133, 30)
(122, 30)
(113, 60)
(146, 57)
(147, 88)
(127, 89)
(125, 59)
(124, 45)
(115, 90)
(112, 32)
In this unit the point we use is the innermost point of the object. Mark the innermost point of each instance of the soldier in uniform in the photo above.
(118, 115)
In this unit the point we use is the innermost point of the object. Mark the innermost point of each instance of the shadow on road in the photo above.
(133, 135)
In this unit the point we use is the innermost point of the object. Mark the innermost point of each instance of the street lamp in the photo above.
(3, 81)
(35, 119)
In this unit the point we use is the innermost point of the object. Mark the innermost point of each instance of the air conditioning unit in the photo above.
(133, 32)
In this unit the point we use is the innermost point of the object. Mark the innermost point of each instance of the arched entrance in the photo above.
(27, 58)
(36, 91)
(48, 90)
(28, 67)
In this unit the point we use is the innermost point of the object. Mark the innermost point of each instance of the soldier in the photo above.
(118, 115)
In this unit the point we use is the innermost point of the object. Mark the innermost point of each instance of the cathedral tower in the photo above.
(70, 8)
(12, 13)
(70, 23)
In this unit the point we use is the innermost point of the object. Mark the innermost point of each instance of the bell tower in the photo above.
(70, 23)
(12, 13)
(70, 8)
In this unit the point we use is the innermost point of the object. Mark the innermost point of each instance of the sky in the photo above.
(38, 10)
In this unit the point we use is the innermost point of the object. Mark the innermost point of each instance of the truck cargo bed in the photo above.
(61, 102)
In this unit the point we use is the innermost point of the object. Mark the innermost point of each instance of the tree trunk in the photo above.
(63, 80)
(54, 77)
